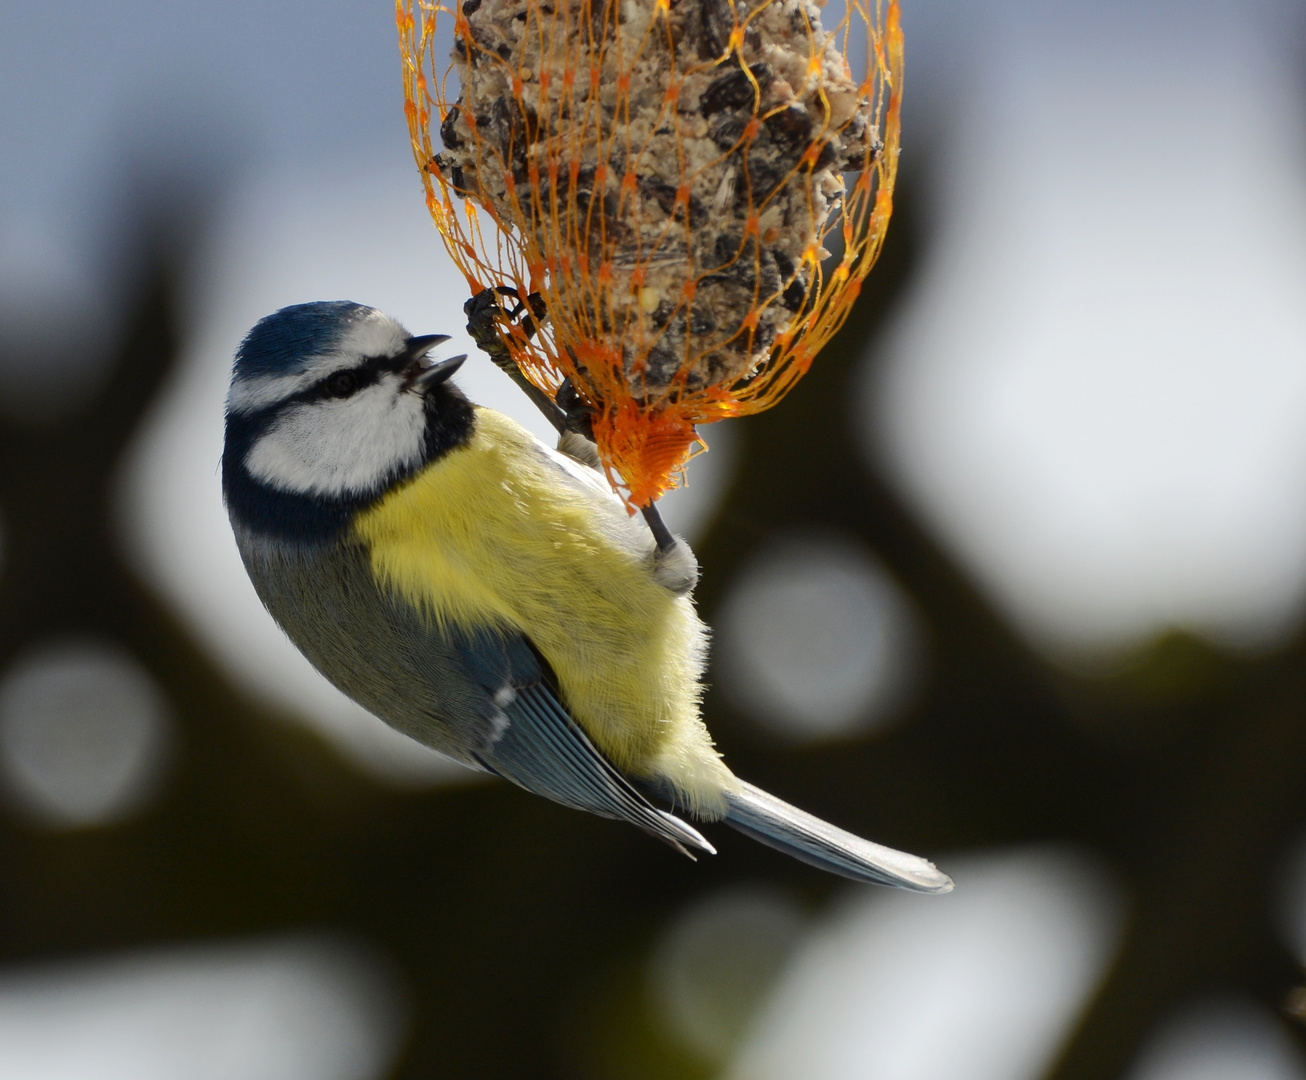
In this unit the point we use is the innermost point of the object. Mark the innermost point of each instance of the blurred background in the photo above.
(1014, 579)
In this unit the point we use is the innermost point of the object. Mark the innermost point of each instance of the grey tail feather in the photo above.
(775, 823)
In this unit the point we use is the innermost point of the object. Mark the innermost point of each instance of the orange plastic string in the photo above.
(555, 245)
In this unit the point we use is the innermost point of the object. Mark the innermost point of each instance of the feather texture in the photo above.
(504, 533)
(773, 822)
(483, 593)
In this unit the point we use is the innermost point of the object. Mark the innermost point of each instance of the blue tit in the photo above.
(482, 592)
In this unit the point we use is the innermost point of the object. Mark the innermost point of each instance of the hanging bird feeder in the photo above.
(695, 188)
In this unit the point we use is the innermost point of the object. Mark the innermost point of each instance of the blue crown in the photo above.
(281, 343)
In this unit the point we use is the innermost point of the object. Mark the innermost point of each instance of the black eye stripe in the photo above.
(346, 382)
(341, 384)
(365, 374)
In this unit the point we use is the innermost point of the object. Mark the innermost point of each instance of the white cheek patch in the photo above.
(342, 447)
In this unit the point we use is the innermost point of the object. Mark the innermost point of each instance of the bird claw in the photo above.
(486, 315)
(569, 413)
(486, 311)
(578, 413)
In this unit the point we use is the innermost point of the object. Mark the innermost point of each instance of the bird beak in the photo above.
(423, 377)
(418, 374)
(417, 347)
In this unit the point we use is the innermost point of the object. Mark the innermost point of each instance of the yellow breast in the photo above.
(496, 533)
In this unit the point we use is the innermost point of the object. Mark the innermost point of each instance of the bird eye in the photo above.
(342, 384)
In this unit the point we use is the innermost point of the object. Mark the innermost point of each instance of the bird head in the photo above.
(331, 404)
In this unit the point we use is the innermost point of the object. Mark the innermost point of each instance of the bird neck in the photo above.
(261, 508)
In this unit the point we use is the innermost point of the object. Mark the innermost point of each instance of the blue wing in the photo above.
(539, 747)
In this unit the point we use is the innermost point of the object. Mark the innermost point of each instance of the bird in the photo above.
(484, 593)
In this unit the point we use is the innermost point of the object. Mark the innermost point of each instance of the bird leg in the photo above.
(580, 416)
(484, 312)
(567, 411)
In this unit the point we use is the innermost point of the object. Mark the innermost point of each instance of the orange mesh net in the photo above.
(667, 175)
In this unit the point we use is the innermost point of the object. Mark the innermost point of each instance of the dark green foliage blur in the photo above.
(521, 930)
